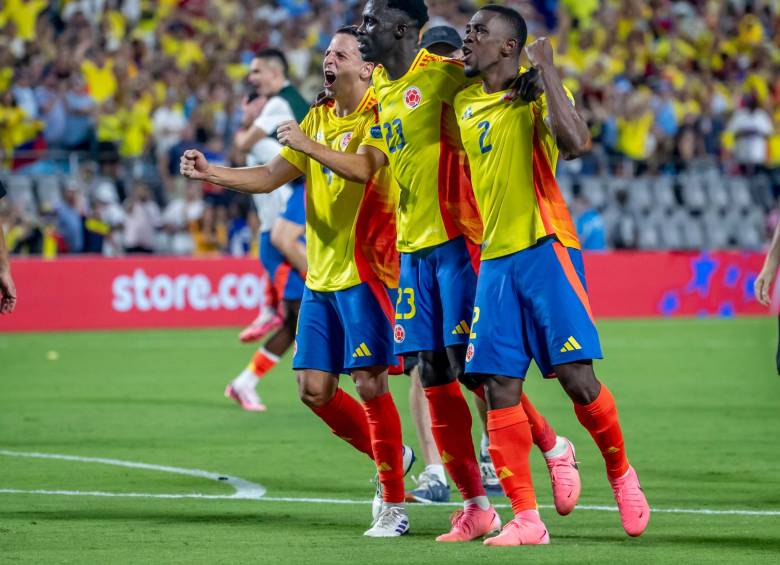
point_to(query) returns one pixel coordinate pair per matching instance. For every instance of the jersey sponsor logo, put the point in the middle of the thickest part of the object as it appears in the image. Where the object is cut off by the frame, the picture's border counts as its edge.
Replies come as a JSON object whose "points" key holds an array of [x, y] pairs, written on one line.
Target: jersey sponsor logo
{"points": [[345, 140], [412, 97], [399, 334], [470, 352], [570, 345], [376, 132]]}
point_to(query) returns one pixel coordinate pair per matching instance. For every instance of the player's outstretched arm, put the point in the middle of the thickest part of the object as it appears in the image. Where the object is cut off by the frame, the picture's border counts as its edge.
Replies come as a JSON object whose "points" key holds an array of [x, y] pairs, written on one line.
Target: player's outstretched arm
{"points": [[568, 128], [7, 288], [250, 180], [764, 280], [356, 167]]}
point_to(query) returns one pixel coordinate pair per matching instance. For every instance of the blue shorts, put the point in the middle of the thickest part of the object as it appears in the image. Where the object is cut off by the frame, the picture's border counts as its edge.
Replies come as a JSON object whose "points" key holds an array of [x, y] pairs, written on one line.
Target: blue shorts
{"points": [[532, 304], [345, 329], [295, 211], [435, 298], [287, 282]]}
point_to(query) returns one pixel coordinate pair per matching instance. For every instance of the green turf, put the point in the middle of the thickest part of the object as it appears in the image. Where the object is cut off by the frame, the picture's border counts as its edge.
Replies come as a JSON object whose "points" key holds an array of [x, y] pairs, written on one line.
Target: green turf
{"points": [[698, 399]]}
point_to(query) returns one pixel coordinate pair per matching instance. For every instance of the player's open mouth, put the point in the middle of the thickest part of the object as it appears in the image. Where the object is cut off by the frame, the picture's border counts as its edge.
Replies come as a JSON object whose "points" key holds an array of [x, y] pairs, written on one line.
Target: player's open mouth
{"points": [[466, 53], [330, 78]]}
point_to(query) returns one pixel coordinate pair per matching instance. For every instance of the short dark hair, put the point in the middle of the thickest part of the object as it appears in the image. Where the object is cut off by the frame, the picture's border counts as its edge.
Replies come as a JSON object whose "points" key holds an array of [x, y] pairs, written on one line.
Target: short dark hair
{"points": [[415, 9], [513, 18], [274, 55], [348, 30]]}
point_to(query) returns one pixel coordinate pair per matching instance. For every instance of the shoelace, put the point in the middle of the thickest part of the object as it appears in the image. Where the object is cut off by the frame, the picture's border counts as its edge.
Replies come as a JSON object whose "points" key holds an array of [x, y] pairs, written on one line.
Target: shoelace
{"points": [[553, 465], [458, 519], [630, 495], [388, 517]]}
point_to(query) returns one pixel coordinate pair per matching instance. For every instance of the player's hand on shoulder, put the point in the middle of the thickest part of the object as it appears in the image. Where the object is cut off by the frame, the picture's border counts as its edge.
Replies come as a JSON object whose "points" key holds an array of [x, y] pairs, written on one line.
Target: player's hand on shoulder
{"points": [[527, 87], [193, 164], [291, 135], [540, 52]]}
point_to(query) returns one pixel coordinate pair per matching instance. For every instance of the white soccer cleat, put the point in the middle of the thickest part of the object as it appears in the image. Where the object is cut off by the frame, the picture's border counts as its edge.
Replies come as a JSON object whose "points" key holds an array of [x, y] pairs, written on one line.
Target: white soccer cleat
{"points": [[408, 460], [391, 522], [247, 398]]}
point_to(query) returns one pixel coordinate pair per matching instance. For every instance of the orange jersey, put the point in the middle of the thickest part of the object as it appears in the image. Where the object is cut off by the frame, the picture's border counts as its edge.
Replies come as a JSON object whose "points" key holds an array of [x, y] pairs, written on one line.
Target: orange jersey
{"points": [[350, 227], [422, 144]]}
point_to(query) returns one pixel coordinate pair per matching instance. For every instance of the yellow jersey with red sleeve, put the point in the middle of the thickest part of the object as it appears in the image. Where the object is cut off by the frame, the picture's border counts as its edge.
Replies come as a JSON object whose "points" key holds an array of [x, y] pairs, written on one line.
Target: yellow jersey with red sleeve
{"points": [[350, 227], [512, 154], [423, 147]]}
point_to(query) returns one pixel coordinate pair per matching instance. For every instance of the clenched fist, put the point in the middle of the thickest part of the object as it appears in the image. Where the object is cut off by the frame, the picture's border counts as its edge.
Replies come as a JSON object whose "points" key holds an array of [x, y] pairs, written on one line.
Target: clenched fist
{"points": [[193, 164], [540, 52], [291, 135]]}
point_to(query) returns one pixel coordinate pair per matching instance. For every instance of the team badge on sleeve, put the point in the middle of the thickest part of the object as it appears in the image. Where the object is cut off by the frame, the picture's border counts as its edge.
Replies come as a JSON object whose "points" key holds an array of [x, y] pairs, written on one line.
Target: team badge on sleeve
{"points": [[376, 132], [412, 97]]}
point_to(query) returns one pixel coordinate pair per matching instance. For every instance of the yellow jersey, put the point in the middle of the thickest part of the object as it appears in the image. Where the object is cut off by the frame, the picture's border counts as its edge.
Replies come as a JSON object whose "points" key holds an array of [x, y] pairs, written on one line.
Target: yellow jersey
{"points": [[423, 147], [512, 154], [350, 227]]}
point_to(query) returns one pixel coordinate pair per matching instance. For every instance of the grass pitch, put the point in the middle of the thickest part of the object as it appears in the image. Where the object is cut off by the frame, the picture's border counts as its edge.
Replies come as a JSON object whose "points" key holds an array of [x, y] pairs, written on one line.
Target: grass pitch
{"points": [[699, 401]]}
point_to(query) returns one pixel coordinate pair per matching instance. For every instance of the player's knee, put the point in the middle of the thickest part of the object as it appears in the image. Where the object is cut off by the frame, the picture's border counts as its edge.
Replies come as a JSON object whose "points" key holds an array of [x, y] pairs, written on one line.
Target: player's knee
{"points": [[579, 381], [314, 393], [370, 385], [501, 392], [434, 369]]}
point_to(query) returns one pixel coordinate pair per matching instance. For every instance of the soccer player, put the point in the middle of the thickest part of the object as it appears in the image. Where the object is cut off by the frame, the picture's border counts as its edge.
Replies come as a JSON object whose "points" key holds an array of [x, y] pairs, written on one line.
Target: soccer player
{"points": [[436, 214], [531, 301], [765, 278], [345, 322], [7, 287], [282, 221]]}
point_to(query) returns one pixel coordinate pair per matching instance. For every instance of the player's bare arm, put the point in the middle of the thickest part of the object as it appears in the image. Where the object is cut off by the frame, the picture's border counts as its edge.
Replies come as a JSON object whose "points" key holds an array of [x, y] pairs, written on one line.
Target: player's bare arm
{"points": [[249, 180], [356, 167], [569, 129], [7, 287], [764, 280]]}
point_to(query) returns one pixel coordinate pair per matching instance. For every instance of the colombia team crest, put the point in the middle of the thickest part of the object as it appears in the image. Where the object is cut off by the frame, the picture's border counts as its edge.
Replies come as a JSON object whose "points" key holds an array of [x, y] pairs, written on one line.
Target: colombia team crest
{"points": [[345, 140], [412, 97], [399, 334], [470, 352]]}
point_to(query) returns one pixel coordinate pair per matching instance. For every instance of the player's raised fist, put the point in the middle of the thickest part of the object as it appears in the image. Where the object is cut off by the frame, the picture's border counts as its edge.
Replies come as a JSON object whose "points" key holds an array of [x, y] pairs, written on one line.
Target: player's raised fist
{"points": [[291, 135], [761, 286], [193, 164], [540, 52]]}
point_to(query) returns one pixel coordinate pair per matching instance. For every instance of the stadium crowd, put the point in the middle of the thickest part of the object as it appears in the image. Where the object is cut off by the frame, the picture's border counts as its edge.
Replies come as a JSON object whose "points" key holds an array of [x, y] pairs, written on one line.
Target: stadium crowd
{"points": [[104, 95]]}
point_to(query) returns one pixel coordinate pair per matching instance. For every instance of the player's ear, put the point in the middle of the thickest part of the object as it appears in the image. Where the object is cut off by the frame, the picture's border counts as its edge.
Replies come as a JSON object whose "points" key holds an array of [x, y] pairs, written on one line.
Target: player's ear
{"points": [[509, 47], [400, 30], [366, 69]]}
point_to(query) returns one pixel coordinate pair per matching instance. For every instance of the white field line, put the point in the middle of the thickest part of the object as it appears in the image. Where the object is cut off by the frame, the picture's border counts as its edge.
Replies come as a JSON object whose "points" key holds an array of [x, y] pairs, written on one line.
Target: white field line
{"points": [[246, 490]]}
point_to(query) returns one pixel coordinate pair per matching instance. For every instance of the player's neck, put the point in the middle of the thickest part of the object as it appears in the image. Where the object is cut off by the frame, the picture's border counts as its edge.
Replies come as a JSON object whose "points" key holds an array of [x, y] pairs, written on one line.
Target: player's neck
{"points": [[499, 77], [398, 61], [347, 102]]}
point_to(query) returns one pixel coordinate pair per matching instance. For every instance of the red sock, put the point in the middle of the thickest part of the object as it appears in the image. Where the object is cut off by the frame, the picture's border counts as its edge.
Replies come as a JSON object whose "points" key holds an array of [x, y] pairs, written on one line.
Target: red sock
{"points": [[384, 424], [510, 445], [262, 362], [451, 427], [542, 432], [346, 418], [600, 418]]}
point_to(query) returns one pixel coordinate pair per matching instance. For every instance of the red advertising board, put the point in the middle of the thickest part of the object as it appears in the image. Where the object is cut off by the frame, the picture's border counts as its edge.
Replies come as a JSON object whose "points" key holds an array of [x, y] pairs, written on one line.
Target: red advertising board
{"points": [[161, 292]]}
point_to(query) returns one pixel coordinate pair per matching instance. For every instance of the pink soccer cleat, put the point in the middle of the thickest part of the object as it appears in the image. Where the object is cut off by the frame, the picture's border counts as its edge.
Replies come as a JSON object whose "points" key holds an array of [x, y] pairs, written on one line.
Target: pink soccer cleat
{"points": [[472, 523], [632, 504], [527, 528], [268, 320], [247, 399], [565, 477]]}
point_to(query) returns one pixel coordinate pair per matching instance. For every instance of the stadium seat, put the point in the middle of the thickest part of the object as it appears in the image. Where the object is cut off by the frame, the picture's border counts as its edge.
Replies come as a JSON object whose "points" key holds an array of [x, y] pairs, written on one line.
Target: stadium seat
{"points": [[639, 196], [717, 194], [648, 236], [739, 190], [693, 234], [663, 192], [593, 189], [693, 194], [49, 190], [20, 191]]}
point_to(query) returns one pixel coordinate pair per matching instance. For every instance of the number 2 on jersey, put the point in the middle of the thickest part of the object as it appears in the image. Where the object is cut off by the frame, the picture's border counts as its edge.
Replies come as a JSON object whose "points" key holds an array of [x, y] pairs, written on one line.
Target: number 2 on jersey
{"points": [[485, 127], [396, 127]]}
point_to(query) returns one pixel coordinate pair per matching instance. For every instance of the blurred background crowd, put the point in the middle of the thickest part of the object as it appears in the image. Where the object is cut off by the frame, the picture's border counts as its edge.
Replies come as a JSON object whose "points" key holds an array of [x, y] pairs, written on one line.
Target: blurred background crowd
{"points": [[98, 99]]}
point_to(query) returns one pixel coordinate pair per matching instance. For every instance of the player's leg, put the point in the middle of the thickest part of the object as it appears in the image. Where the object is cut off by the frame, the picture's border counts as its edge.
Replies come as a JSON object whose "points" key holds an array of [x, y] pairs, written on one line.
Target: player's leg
{"points": [[366, 313], [268, 318], [431, 484], [571, 342], [497, 347]]}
